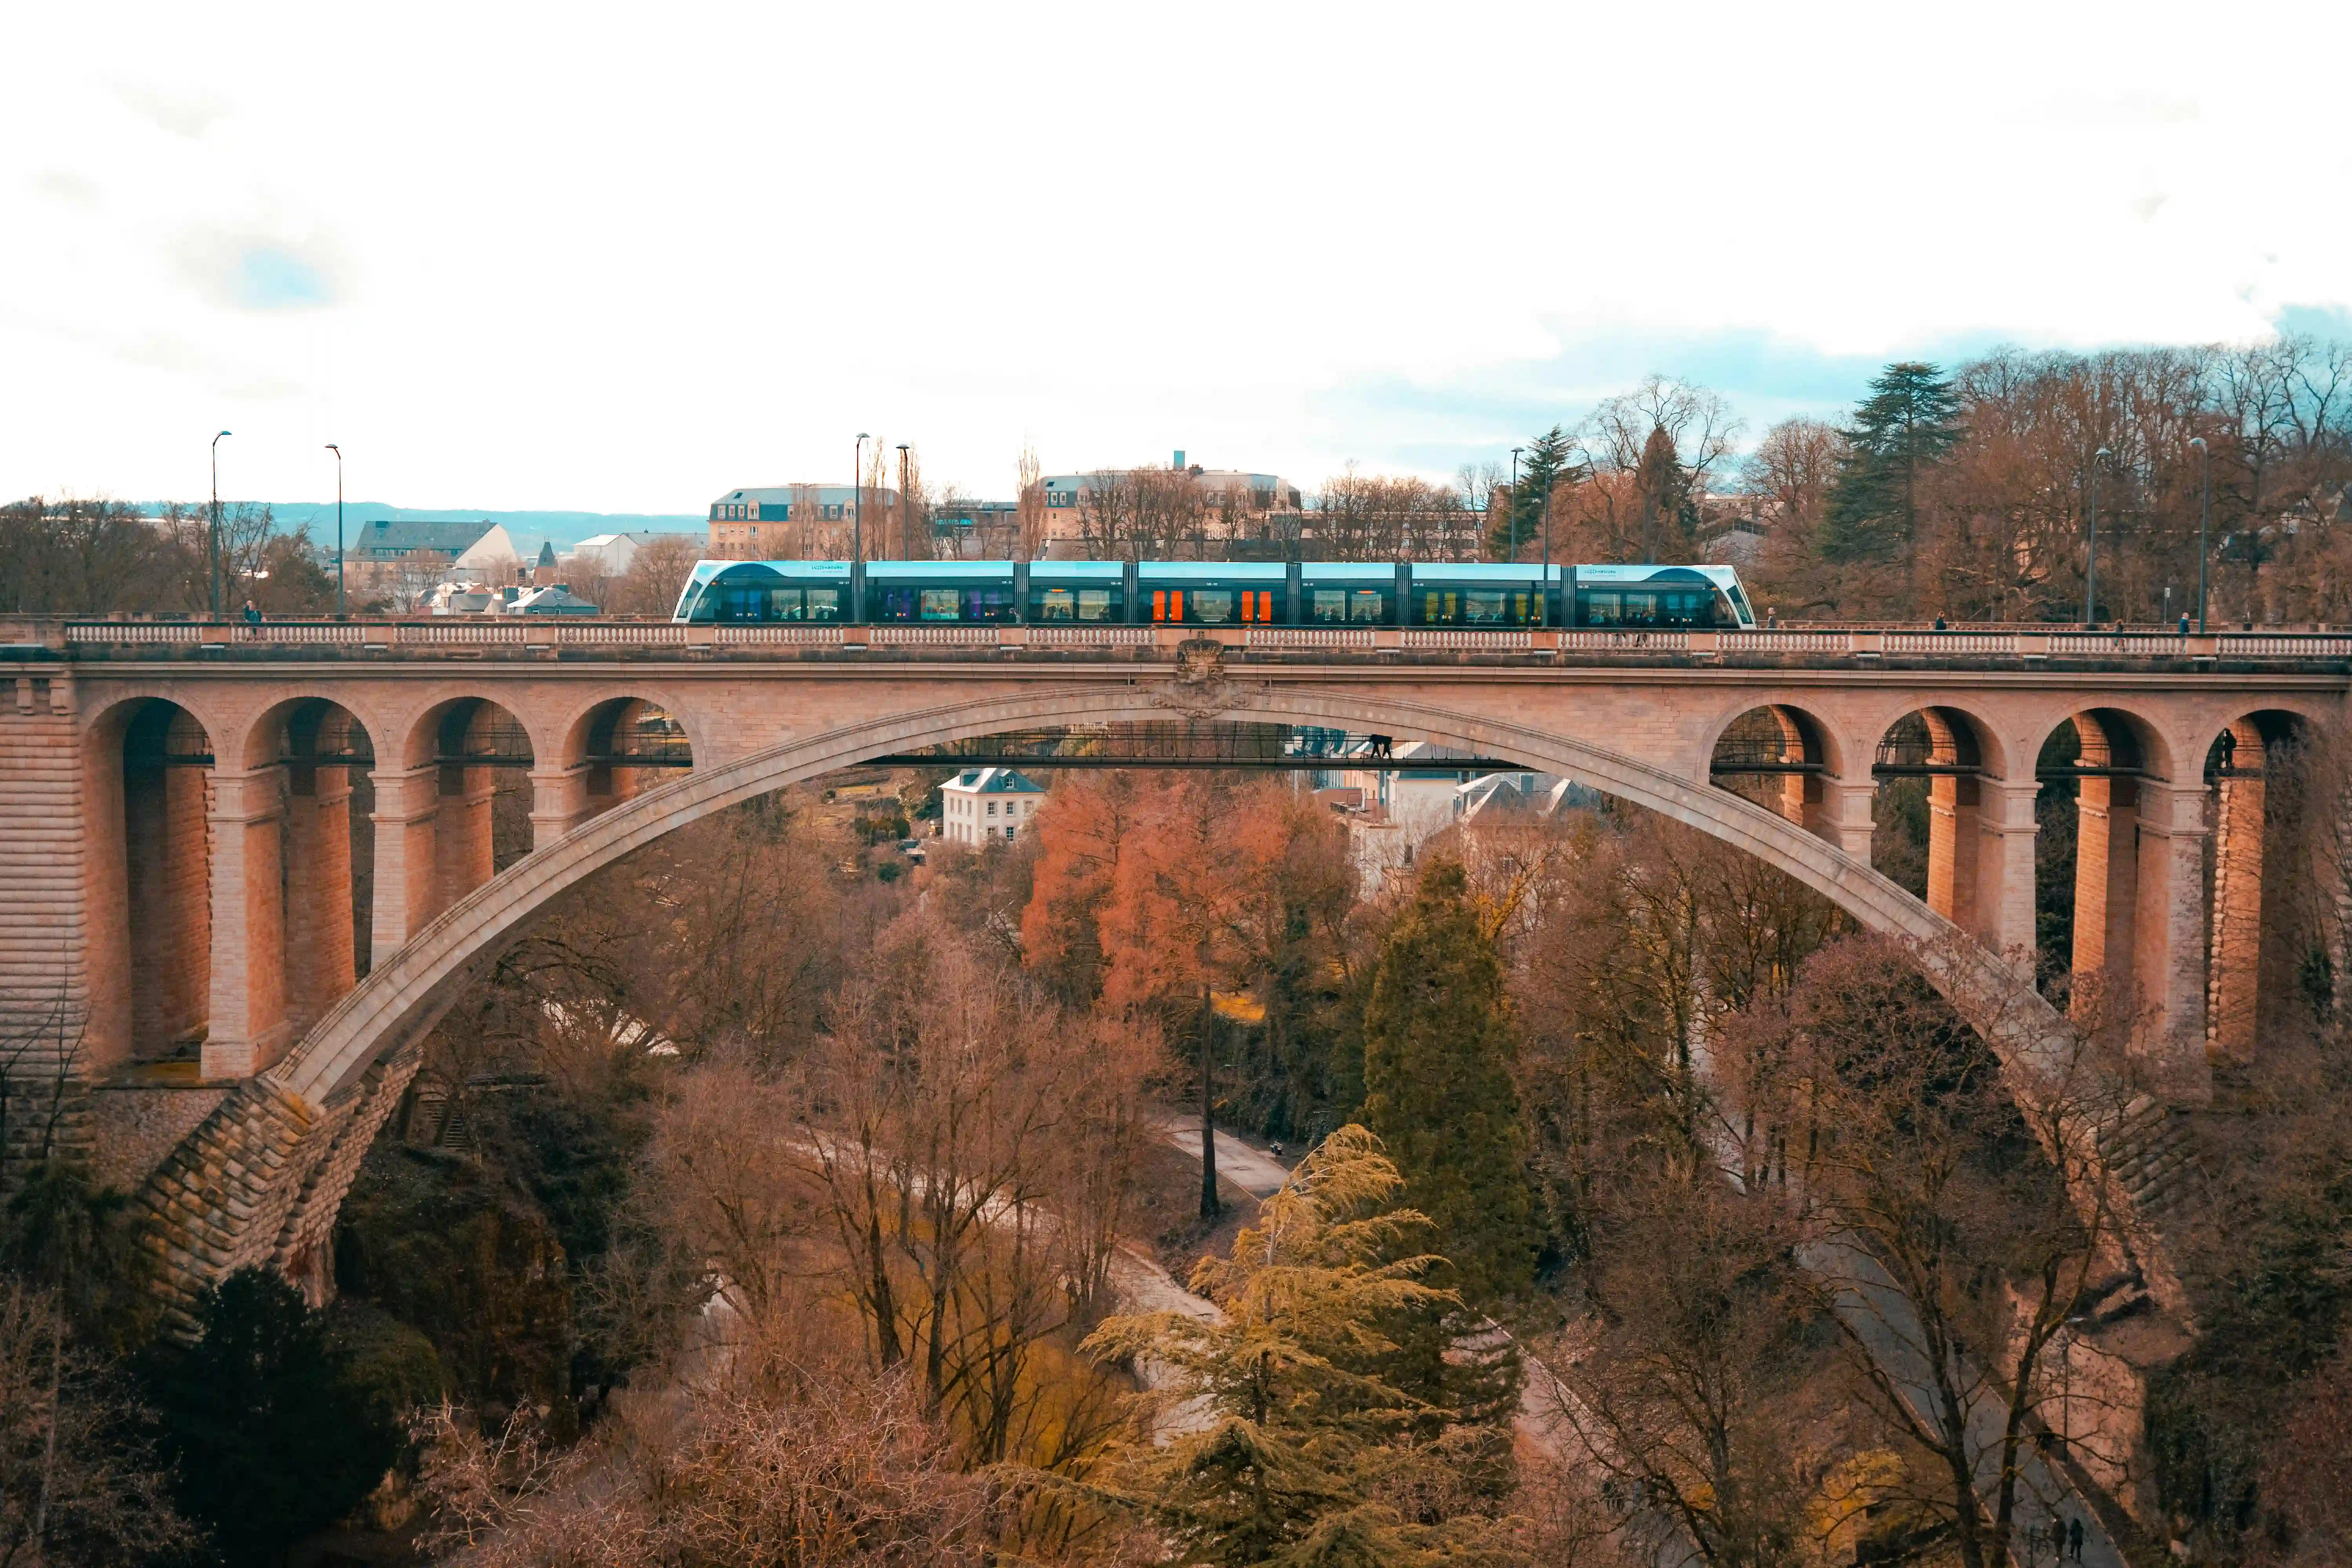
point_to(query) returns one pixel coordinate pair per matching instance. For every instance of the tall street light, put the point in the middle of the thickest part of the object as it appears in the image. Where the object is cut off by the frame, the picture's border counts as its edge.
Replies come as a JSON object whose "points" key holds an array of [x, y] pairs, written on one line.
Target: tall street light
{"points": [[338, 451], [2091, 576], [2204, 522], [212, 545], [857, 501], [1515, 501]]}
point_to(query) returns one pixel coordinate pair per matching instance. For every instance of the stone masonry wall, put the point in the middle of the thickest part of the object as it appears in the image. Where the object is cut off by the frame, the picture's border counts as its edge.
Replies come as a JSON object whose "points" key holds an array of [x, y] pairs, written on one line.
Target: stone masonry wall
{"points": [[135, 1127], [44, 974]]}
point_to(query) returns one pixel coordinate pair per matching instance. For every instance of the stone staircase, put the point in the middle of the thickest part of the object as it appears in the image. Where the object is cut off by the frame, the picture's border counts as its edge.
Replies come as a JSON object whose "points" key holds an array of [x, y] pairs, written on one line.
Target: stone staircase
{"points": [[2149, 1153]]}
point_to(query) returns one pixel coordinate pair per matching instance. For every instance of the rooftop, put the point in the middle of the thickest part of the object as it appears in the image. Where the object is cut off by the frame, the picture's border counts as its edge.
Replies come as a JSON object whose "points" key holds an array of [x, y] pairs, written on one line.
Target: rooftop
{"points": [[993, 780]]}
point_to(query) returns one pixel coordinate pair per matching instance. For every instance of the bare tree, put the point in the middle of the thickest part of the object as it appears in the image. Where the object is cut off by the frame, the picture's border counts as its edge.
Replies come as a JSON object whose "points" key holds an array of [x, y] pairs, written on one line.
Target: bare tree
{"points": [[1955, 1255], [976, 1152], [80, 1478]]}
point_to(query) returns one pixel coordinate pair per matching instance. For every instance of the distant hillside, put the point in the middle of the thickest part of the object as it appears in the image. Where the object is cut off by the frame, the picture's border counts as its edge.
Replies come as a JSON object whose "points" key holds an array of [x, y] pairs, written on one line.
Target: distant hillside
{"points": [[526, 529]]}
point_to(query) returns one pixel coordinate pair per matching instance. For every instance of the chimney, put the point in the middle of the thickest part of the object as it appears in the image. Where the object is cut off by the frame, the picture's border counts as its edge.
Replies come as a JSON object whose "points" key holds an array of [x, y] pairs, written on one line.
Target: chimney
{"points": [[1178, 464]]}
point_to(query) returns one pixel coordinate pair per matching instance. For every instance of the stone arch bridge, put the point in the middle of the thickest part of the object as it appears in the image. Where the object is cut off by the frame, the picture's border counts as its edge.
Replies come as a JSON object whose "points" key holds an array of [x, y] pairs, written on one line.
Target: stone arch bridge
{"points": [[180, 959]]}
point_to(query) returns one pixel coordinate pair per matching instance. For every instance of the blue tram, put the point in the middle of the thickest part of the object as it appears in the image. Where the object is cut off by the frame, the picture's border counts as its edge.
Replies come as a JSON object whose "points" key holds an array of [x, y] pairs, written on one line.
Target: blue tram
{"points": [[1494, 595]]}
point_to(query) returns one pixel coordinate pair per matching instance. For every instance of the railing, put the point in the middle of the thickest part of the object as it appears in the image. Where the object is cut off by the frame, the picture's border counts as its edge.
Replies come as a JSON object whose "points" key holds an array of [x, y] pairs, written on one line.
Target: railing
{"points": [[1469, 639], [920, 636], [442, 634], [2097, 644], [1595, 639], [586, 633], [1947, 642], [1089, 636], [1310, 637], [776, 636], [2275, 645], [542, 632], [1784, 642], [133, 632]]}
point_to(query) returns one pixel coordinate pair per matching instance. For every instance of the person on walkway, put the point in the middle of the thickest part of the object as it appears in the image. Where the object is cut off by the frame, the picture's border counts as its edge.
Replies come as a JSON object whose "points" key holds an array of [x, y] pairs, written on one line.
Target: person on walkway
{"points": [[252, 615], [1941, 625], [2075, 1539]]}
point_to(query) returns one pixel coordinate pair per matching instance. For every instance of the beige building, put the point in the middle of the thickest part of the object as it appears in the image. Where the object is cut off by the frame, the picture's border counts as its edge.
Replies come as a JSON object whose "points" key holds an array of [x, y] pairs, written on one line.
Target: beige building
{"points": [[802, 522], [983, 805], [1177, 503]]}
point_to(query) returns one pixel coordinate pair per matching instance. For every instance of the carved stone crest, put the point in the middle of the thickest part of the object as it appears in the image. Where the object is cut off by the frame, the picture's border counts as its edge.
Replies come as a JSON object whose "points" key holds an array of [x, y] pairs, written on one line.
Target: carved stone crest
{"points": [[1198, 687]]}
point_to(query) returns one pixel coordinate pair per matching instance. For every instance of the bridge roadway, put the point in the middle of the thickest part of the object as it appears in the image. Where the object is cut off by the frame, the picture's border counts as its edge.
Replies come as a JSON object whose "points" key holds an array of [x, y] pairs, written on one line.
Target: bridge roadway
{"points": [[176, 873]]}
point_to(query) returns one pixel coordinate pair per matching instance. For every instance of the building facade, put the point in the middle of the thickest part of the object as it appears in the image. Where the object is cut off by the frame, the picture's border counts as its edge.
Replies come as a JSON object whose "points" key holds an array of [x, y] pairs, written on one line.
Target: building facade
{"points": [[782, 522], [984, 805]]}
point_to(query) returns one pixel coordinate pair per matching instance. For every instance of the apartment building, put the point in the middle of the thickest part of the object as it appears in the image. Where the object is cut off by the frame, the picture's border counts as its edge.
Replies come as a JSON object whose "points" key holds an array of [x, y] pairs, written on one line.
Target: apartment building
{"points": [[776, 522]]}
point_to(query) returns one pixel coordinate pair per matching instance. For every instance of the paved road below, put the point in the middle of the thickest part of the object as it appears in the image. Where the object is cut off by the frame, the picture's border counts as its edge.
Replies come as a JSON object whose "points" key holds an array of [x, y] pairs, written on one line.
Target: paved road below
{"points": [[1252, 1170]]}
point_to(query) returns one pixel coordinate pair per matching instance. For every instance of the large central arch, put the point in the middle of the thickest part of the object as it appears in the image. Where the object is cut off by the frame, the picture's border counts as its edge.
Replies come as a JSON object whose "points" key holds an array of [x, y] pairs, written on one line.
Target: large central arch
{"points": [[409, 991]]}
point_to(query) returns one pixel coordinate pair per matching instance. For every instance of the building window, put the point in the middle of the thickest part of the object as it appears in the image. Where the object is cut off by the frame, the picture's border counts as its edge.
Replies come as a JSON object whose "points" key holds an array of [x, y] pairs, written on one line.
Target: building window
{"points": [[992, 808]]}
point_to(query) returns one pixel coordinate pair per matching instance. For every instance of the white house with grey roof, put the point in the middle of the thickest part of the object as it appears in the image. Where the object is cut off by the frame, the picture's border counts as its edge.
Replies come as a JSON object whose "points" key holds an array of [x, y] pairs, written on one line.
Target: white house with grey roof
{"points": [[984, 805]]}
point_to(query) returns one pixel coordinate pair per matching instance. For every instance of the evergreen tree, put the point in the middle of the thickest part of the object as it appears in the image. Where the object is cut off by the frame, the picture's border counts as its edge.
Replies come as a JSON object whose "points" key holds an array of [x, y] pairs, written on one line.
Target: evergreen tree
{"points": [[1438, 1048], [1316, 1408], [1911, 418], [1542, 466], [1669, 521], [273, 1436]]}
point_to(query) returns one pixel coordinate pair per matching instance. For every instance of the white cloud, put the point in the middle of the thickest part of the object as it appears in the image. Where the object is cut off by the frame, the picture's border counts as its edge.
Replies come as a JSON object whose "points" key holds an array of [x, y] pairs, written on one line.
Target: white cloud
{"points": [[618, 260]]}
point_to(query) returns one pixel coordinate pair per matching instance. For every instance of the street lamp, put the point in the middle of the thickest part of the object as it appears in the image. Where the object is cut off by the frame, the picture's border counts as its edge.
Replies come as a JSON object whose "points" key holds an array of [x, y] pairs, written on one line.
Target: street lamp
{"points": [[2204, 522], [338, 451], [211, 547], [857, 501], [1515, 500], [2091, 574]]}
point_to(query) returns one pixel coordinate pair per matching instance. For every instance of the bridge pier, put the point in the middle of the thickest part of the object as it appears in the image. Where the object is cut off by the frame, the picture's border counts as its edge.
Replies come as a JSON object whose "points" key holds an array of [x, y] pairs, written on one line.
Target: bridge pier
{"points": [[1846, 818], [2168, 934], [558, 803], [159, 824], [321, 963], [2107, 896], [249, 1022], [461, 832], [407, 800], [2239, 809], [2004, 901], [1955, 842]]}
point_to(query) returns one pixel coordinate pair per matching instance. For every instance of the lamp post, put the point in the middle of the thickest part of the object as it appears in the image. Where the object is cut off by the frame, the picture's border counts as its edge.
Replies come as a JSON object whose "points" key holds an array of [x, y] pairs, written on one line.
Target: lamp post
{"points": [[858, 502], [338, 451], [212, 545], [2091, 576], [2204, 522], [1515, 501]]}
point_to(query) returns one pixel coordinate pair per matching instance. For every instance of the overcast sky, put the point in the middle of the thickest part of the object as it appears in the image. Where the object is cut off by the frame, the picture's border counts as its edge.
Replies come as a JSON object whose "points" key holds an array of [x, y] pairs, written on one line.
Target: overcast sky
{"points": [[622, 259]]}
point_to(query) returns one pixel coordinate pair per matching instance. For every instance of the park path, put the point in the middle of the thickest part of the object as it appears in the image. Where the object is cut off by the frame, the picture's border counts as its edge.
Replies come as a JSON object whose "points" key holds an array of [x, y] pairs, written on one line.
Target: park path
{"points": [[1253, 1170], [1881, 1318]]}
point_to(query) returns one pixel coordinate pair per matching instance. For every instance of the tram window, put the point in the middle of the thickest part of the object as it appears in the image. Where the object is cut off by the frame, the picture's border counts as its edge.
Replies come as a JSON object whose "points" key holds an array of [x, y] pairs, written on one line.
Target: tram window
{"points": [[988, 604], [1213, 606], [1331, 604], [1484, 606], [942, 604], [784, 603], [1094, 604], [1057, 605], [1368, 605], [822, 604]]}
